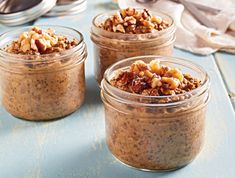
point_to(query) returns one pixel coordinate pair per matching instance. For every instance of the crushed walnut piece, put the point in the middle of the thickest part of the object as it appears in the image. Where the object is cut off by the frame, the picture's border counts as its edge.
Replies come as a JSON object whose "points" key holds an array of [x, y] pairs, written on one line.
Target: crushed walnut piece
{"points": [[134, 21], [38, 41], [154, 79]]}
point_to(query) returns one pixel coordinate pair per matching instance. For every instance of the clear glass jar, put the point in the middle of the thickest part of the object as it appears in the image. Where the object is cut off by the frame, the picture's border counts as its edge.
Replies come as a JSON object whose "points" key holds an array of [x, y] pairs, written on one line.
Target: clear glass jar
{"points": [[110, 47], [158, 133], [42, 87]]}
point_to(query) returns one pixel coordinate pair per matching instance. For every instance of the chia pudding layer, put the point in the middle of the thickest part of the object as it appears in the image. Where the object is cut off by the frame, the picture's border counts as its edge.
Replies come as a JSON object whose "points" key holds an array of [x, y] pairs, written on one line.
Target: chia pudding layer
{"points": [[42, 74], [157, 127]]}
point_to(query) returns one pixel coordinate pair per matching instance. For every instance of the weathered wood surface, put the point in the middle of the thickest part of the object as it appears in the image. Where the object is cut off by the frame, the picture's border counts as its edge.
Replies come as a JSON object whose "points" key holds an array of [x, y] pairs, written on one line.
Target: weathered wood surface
{"points": [[226, 64]]}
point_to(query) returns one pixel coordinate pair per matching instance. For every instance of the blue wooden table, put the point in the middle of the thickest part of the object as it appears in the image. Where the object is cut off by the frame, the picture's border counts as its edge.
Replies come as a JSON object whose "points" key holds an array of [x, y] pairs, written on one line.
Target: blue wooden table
{"points": [[74, 147]]}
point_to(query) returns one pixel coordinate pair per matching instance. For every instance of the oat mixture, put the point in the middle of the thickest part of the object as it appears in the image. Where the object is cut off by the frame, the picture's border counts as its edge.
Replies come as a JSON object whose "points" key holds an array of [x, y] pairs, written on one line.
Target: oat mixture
{"points": [[154, 79], [154, 137], [50, 88]]}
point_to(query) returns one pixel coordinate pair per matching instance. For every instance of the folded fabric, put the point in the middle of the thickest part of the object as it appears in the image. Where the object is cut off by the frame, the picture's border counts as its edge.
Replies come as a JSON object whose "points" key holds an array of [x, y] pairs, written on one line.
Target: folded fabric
{"points": [[191, 35]]}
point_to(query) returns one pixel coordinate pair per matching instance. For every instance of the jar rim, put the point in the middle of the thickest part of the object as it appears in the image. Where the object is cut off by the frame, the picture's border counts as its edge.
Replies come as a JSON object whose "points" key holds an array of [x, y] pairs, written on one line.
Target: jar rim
{"points": [[170, 28], [199, 90], [15, 57]]}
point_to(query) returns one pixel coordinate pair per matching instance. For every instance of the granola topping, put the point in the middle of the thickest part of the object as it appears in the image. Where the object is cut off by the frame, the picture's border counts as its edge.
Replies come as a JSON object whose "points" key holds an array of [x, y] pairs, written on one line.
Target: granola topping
{"points": [[134, 21], [154, 79], [38, 41]]}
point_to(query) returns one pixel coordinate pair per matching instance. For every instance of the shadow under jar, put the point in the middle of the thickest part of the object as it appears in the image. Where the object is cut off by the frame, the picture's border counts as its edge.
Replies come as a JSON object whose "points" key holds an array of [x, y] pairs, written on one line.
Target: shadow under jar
{"points": [[43, 87], [110, 47], [155, 133]]}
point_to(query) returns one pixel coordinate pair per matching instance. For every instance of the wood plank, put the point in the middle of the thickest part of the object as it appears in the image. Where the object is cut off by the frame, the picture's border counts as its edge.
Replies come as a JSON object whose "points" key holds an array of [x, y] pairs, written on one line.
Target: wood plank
{"points": [[233, 103], [226, 64]]}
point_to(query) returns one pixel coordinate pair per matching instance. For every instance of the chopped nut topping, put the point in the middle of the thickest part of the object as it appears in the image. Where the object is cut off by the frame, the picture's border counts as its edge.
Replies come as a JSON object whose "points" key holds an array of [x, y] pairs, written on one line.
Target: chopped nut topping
{"points": [[38, 41], [154, 79], [134, 21]]}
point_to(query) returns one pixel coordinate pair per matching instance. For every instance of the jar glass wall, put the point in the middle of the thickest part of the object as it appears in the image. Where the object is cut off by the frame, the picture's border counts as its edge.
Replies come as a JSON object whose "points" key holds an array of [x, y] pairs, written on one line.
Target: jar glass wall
{"points": [[157, 133], [43, 87], [110, 47]]}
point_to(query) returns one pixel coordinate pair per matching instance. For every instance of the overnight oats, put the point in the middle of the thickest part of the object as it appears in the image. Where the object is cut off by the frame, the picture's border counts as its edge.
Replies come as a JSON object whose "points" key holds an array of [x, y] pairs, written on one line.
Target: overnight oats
{"points": [[42, 72], [130, 32], [155, 110]]}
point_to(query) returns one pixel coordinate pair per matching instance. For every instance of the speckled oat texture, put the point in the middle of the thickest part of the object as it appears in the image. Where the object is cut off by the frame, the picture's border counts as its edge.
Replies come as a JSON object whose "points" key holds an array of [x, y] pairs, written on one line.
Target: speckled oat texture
{"points": [[45, 95], [152, 140]]}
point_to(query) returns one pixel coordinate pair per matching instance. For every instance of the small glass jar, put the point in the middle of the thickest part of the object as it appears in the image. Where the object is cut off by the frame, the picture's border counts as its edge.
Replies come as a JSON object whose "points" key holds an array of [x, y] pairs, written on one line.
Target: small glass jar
{"points": [[42, 87], [110, 47], [157, 133]]}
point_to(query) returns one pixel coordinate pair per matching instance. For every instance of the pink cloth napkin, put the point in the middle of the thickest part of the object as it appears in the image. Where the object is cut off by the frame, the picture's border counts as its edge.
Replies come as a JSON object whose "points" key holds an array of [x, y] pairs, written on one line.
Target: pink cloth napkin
{"points": [[190, 34]]}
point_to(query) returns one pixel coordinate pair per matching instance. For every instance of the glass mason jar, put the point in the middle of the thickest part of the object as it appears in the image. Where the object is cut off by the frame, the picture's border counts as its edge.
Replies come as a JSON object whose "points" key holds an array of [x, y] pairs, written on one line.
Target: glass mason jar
{"points": [[110, 47], [158, 133], [42, 87]]}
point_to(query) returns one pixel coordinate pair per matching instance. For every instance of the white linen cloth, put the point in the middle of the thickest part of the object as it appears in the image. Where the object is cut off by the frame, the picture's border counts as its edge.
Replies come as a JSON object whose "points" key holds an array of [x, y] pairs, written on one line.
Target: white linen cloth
{"points": [[190, 34]]}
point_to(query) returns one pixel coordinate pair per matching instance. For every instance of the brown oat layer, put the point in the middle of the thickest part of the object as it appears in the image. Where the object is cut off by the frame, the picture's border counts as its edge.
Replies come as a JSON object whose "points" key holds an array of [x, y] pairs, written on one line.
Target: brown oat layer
{"points": [[154, 79], [134, 21], [38, 41]]}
